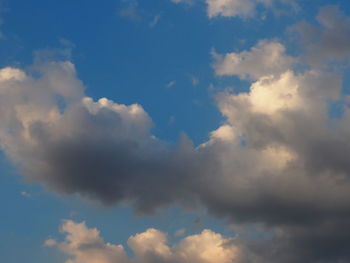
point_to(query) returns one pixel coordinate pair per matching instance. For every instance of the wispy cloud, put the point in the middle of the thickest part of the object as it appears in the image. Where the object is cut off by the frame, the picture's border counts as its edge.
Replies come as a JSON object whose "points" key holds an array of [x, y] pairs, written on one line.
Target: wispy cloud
{"points": [[170, 84], [194, 80], [155, 21], [26, 194], [131, 10]]}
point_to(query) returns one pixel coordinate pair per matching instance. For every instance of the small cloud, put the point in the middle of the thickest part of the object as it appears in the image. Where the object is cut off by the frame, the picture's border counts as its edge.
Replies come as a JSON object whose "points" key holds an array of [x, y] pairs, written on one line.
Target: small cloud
{"points": [[170, 84], [25, 194], [187, 2], [50, 243], [154, 21], [194, 80], [66, 43], [180, 232], [131, 11]]}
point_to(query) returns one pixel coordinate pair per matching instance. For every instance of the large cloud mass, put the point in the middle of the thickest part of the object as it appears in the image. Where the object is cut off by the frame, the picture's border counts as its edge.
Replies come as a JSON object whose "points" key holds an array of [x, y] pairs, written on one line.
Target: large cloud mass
{"points": [[99, 149], [279, 160]]}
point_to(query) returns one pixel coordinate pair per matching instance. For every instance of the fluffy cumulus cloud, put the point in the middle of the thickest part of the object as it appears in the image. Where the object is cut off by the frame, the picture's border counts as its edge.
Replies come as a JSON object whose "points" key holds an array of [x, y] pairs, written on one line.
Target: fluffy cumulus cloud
{"points": [[279, 161], [284, 165], [266, 58], [73, 144], [85, 245]]}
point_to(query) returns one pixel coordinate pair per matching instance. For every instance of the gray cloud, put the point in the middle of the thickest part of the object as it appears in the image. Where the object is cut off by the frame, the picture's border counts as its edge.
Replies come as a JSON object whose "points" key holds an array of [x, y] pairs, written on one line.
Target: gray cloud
{"points": [[276, 161], [279, 160], [327, 41], [101, 150]]}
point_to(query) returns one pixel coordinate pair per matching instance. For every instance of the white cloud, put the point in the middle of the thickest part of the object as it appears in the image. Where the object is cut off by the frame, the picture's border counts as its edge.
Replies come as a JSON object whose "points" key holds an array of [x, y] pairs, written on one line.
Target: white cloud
{"points": [[243, 8], [266, 58], [9, 73], [231, 7], [194, 80], [85, 245], [170, 84], [26, 194], [207, 247], [155, 20], [151, 246], [240, 8], [50, 243], [131, 11]]}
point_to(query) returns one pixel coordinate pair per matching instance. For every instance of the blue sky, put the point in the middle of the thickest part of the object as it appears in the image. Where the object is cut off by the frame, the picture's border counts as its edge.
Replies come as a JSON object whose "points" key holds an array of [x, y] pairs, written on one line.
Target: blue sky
{"points": [[193, 154]]}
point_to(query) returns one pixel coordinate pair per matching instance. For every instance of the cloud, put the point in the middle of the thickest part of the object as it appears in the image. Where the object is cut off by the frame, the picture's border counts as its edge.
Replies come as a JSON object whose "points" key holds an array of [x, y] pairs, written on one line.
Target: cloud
{"points": [[170, 84], [194, 80], [242, 8], [327, 41], [131, 11], [266, 58], [26, 194], [188, 2], [275, 161], [154, 21], [72, 144], [279, 159], [50, 243], [282, 163], [85, 245], [231, 7]]}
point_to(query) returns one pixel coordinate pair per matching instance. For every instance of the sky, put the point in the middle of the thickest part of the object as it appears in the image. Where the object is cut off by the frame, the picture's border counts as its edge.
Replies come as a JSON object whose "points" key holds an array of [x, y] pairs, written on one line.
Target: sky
{"points": [[174, 131]]}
